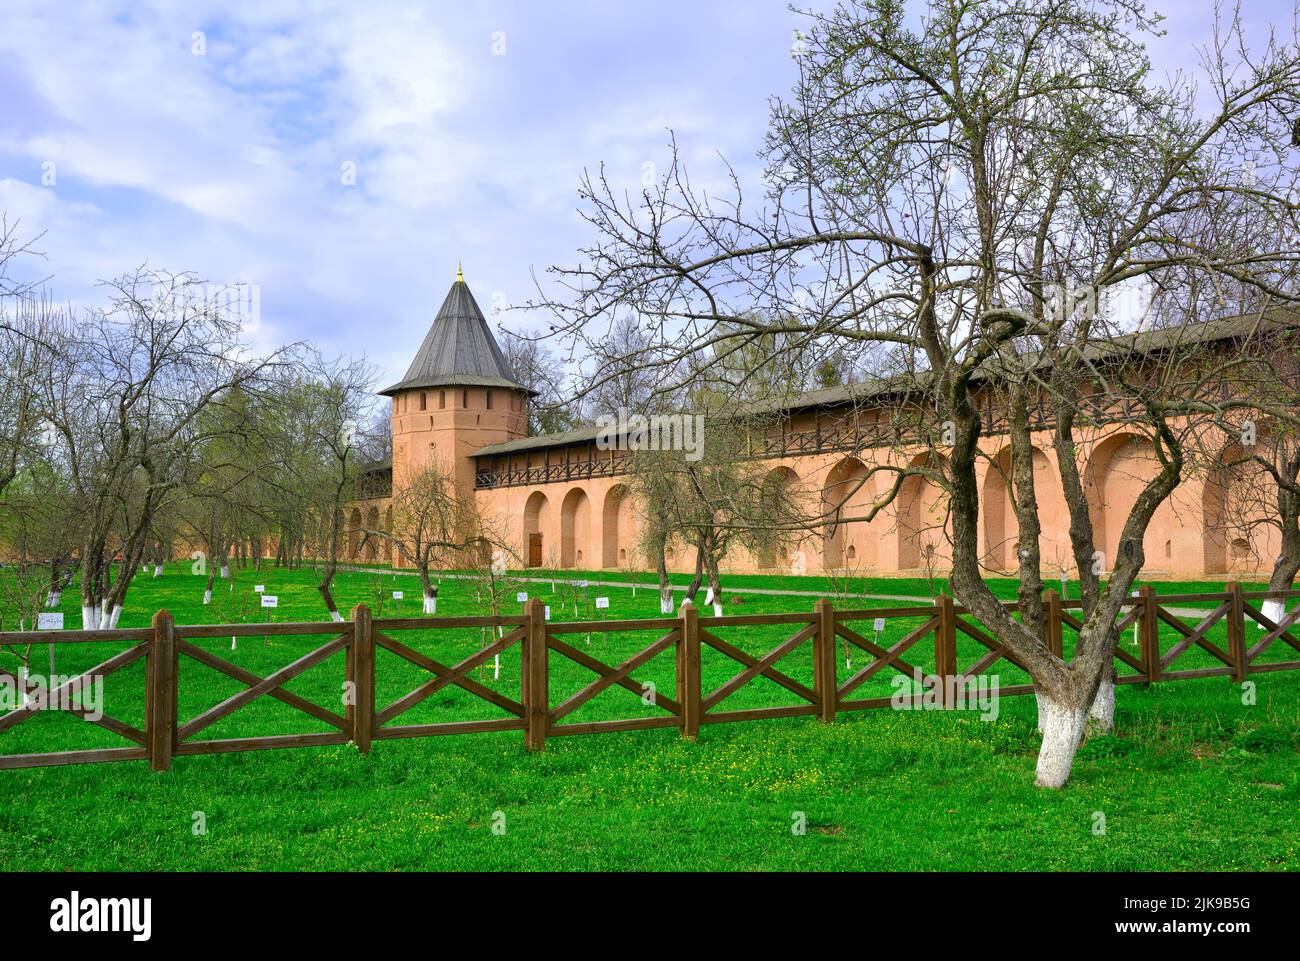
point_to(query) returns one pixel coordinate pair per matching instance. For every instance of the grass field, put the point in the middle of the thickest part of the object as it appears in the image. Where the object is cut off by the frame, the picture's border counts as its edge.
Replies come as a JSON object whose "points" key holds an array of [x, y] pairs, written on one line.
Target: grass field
{"points": [[1195, 779]]}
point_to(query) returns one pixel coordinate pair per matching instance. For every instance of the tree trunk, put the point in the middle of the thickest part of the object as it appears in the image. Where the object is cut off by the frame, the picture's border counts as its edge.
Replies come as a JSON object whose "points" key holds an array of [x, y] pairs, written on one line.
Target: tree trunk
{"points": [[1101, 715], [1285, 567], [55, 594], [324, 587], [1061, 719], [665, 586], [693, 588], [715, 584], [430, 592]]}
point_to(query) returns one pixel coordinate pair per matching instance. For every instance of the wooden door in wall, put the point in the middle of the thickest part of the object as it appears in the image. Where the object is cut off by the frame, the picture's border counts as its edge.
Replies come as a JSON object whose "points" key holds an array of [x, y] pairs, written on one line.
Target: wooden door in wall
{"points": [[535, 550]]}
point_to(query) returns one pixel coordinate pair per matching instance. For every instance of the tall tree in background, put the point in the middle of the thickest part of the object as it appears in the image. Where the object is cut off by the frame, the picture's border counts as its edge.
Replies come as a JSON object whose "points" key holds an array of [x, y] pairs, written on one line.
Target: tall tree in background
{"points": [[537, 369]]}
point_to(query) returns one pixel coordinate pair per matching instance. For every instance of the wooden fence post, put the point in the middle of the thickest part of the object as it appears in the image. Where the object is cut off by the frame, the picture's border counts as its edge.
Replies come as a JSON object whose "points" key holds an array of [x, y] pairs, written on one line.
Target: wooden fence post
{"points": [[824, 661], [945, 649], [160, 693], [537, 686], [1237, 632], [362, 676], [689, 681], [1149, 633], [1052, 622]]}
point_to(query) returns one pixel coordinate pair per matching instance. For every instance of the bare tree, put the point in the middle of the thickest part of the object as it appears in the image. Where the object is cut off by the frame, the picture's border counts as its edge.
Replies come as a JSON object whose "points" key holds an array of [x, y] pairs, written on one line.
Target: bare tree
{"points": [[713, 499], [965, 196], [30, 330], [124, 396], [335, 401], [436, 525]]}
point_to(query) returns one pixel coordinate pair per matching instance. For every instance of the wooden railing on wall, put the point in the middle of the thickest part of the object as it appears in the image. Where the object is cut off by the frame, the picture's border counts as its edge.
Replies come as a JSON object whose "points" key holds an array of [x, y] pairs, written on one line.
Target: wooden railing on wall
{"points": [[166, 735]]}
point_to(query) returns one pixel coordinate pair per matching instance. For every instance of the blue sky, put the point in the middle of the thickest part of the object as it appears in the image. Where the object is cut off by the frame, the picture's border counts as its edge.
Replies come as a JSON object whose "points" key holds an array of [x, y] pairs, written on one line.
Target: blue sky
{"points": [[230, 162]]}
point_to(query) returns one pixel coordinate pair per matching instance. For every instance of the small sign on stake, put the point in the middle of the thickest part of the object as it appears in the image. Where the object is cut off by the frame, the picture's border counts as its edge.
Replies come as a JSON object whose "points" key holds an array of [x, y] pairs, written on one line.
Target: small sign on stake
{"points": [[522, 597], [602, 603], [259, 588], [269, 601], [50, 622]]}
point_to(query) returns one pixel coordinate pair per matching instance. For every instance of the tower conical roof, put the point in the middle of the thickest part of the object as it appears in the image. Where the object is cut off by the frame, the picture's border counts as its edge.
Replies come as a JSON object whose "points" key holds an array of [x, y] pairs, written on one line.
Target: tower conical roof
{"points": [[459, 349]]}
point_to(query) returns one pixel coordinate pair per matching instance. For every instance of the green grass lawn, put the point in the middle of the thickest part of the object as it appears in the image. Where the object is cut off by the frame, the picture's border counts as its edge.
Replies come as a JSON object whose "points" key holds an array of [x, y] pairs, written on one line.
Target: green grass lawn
{"points": [[1195, 779]]}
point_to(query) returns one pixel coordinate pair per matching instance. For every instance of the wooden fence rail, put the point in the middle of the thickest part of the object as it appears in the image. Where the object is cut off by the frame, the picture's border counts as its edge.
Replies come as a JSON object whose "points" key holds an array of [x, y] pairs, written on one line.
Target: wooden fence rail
{"points": [[166, 735]]}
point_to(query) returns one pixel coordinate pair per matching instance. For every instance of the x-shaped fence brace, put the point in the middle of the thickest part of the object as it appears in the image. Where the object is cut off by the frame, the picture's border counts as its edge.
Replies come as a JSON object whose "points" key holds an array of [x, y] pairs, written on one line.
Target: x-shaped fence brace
{"points": [[456, 674], [610, 676], [996, 651], [1194, 635], [891, 657], [272, 684], [1274, 629], [110, 666], [756, 667]]}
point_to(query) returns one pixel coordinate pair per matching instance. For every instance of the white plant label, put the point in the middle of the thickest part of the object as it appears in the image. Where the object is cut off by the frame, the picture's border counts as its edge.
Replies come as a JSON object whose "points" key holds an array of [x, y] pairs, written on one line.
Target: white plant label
{"points": [[522, 597], [399, 595], [270, 600], [548, 612], [602, 602], [49, 622], [259, 588], [878, 624]]}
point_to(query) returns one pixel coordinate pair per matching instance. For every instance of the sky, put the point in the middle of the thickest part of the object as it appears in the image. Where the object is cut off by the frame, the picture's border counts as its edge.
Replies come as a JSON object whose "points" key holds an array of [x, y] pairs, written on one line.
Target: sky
{"points": [[341, 158]]}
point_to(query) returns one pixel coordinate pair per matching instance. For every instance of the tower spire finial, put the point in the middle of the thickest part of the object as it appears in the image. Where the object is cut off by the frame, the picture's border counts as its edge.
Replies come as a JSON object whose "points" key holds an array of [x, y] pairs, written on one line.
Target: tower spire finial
{"points": [[460, 274]]}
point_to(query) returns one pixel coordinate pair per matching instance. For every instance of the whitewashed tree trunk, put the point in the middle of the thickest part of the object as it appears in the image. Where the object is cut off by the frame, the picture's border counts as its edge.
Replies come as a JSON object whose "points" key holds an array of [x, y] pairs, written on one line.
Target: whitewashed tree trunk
{"points": [[89, 617], [53, 599], [430, 604], [1063, 727], [207, 597], [114, 616], [1274, 610], [1101, 716], [717, 609], [336, 616], [708, 596], [666, 604], [157, 570]]}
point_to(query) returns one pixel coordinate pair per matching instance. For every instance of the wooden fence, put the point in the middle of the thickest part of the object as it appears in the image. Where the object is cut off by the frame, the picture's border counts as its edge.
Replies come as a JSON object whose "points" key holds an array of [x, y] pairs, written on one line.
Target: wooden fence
{"points": [[165, 735]]}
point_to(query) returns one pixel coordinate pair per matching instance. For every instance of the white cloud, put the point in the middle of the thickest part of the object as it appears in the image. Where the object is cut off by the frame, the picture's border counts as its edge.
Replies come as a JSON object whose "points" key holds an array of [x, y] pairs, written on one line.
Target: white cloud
{"points": [[228, 164]]}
